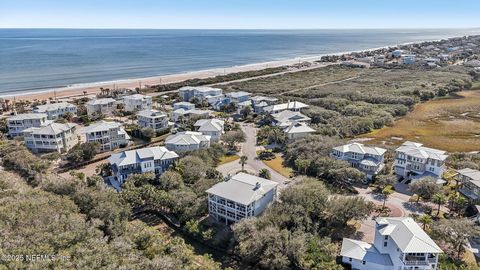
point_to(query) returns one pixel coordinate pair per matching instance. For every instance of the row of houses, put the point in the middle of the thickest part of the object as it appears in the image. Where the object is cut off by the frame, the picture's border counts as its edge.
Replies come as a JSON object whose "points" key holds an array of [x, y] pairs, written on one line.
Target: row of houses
{"points": [[106, 106], [412, 160]]}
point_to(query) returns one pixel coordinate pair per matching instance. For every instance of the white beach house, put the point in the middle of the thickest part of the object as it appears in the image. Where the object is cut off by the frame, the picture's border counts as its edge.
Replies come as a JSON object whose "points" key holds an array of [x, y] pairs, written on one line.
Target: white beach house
{"points": [[187, 141], [151, 159], [470, 183], [260, 102], [286, 118], [399, 244], [294, 106], [414, 161], [210, 127], [56, 110], [183, 111], [157, 120], [297, 130], [110, 135], [103, 106], [187, 93], [137, 102], [240, 196], [54, 137], [369, 160], [16, 124]]}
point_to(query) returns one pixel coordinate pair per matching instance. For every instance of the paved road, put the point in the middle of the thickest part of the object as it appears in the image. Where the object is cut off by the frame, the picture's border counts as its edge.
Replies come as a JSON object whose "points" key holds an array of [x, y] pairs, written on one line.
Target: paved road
{"points": [[249, 149]]}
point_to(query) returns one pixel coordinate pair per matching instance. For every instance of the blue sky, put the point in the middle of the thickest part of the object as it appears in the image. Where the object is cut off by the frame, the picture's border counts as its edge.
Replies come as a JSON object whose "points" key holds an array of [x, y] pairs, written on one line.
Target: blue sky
{"points": [[237, 14]]}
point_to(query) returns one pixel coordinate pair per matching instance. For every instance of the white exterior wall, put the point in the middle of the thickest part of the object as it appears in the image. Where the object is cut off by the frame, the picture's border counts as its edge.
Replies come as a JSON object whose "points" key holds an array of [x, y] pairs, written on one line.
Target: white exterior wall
{"points": [[108, 139], [137, 104], [105, 109], [61, 142], [158, 123], [357, 264], [16, 127], [215, 135], [57, 113]]}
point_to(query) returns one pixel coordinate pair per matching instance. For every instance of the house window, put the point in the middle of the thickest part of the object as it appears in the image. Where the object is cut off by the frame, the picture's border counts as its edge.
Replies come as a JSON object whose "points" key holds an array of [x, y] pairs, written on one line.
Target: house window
{"points": [[349, 259], [386, 237], [385, 244], [363, 262]]}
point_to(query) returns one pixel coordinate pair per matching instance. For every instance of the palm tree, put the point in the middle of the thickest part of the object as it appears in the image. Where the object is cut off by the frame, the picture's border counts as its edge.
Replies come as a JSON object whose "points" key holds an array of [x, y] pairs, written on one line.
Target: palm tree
{"points": [[439, 199], [425, 220], [386, 192], [243, 161]]}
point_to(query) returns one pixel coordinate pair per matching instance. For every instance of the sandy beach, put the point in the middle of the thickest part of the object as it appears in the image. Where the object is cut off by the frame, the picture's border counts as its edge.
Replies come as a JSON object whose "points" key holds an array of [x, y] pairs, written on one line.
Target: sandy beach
{"points": [[94, 88]]}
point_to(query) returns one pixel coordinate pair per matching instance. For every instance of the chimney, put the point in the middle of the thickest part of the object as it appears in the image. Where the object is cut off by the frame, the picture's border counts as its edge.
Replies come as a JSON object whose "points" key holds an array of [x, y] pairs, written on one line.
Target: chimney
{"points": [[257, 185]]}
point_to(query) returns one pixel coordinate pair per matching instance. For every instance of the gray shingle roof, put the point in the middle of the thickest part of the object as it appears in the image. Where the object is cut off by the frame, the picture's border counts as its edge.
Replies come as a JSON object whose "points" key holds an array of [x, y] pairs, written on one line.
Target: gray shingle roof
{"points": [[210, 125], [363, 251], [100, 101], [187, 138], [50, 129], [136, 156], [241, 188], [361, 149], [26, 116], [418, 150]]}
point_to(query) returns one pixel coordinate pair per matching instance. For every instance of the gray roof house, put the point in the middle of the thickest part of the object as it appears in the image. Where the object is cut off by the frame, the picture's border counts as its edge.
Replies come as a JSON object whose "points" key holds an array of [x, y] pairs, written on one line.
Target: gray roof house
{"points": [[187, 141], [369, 160], [470, 181], [210, 127], [240, 196], [151, 159], [399, 243]]}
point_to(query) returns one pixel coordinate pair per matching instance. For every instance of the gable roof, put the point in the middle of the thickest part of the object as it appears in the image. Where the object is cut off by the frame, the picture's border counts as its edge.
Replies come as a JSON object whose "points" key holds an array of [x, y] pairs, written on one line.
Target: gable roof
{"points": [[407, 235], [363, 251], [53, 107], [187, 138], [50, 129], [286, 106], [242, 188], [298, 127], [137, 156], [290, 116], [100, 101], [137, 97], [418, 150], [474, 175], [151, 113], [361, 149], [26, 116], [101, 126], [210, 125]]}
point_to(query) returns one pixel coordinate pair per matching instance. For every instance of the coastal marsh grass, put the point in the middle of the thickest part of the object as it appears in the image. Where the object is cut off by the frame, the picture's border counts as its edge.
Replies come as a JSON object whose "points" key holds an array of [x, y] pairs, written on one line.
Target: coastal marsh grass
{"points": [[451, 124]]}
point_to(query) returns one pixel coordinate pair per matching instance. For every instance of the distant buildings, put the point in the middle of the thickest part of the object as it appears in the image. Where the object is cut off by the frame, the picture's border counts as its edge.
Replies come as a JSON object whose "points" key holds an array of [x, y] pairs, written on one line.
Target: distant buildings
{"points": [[379, 60], [414, 161], [407, 59], [152, 159], [101, 106], [297, 130], [294, 106], [260, 102], [56, 110], [183, 111], [137, 102], [110, 135], [200, 92], [238, 97], [399, 244], [154, 119], [470, 183], [16, 124], [187, 141], [210, 127], [53, 137], [366, 159], [240, 196]]}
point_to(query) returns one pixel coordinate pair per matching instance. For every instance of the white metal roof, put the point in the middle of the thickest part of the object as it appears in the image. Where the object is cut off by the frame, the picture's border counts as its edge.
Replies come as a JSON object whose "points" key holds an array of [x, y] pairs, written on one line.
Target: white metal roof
{"points": [[210, 125], [50, 129], [187, 138], [297, 127], [53, 107], [418, 150], [363, 251], [139, 155], [474, 175], [101, 126], [289, 116], [151, 113], [242, 188], [27, 116], [101, 101], [361, 149], [286, 106], [137, 97], [407, 235]]}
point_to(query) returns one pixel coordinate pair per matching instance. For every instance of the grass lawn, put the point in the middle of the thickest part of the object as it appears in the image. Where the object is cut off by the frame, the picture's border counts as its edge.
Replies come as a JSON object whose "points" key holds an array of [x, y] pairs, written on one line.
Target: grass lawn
{"points": [[228, 159], [451, 124], [276, 164]]}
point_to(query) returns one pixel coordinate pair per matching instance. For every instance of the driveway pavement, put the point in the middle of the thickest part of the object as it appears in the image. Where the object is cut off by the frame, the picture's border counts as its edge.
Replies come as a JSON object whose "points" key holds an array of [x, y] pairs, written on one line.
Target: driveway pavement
{"points": [[249, 149]]}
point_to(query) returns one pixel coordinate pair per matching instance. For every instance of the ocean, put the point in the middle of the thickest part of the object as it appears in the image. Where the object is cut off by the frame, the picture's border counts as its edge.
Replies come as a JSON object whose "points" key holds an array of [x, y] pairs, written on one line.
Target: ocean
{"points": [[38, 59]]}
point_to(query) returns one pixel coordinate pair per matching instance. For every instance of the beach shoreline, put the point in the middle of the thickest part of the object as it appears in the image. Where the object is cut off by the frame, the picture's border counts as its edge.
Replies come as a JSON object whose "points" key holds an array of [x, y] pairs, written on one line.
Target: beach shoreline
{"points": [[82, 89]]}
